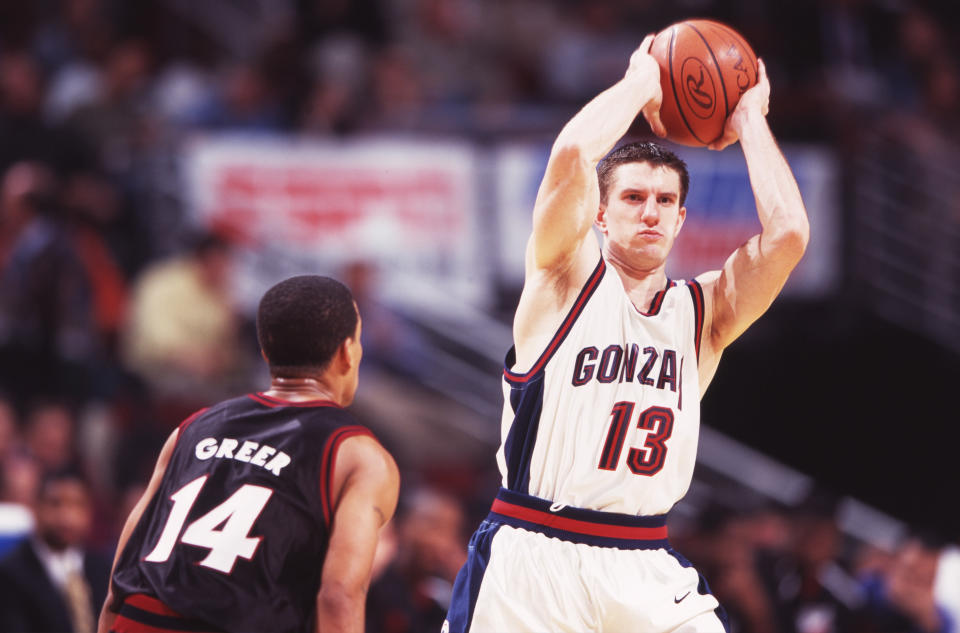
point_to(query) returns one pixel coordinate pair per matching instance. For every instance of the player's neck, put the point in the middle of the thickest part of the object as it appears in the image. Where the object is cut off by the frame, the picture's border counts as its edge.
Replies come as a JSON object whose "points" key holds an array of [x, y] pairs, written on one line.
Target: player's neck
{"points": [[640, 283], [302, 389]]}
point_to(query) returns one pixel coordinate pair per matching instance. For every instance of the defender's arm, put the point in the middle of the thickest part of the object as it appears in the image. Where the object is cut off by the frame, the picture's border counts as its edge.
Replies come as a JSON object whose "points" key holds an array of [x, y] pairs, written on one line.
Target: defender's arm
{"points": [[755, 273], [366, 483], [107, 615]]}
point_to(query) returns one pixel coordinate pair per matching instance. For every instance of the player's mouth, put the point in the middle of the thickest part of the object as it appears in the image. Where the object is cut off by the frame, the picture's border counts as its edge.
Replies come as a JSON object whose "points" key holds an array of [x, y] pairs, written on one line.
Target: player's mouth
{"points": [[650, 235]]}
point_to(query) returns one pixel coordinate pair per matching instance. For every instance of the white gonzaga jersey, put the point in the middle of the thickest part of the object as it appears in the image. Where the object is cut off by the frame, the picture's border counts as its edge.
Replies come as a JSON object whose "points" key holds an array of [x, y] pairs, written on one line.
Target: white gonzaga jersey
{"points": [[608, 417]]}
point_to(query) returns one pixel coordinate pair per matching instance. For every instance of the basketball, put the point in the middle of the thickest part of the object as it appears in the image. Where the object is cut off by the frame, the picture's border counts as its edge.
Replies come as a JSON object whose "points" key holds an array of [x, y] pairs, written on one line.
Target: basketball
{"points": [[705, 67]]}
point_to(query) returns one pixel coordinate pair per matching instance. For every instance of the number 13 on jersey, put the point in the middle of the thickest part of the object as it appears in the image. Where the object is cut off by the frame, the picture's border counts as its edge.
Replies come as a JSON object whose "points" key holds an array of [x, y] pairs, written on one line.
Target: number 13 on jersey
{"points": [[648, 460]]}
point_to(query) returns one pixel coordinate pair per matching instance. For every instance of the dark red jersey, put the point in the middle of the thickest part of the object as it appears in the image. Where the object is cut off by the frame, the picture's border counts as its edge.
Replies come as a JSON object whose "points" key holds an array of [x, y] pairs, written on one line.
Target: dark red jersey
{"points": [[236, 536]]}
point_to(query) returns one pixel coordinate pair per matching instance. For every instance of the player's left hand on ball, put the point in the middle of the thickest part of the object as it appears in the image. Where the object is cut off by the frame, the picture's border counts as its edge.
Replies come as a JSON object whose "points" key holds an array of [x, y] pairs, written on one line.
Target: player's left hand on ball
{"points": [[643, 65], [756, 99]]}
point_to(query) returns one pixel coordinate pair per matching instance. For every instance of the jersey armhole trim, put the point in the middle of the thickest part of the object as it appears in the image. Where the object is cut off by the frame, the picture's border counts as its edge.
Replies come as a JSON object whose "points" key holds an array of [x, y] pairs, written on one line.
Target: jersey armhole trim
{"points": [[328, 463], [585, 293], [190, 419], [696, 292]]}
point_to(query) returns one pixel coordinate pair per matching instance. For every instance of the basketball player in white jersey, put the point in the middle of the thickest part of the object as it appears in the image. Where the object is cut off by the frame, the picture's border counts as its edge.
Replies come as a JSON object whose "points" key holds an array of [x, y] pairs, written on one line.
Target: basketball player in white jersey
{"points": [[602, 389]]}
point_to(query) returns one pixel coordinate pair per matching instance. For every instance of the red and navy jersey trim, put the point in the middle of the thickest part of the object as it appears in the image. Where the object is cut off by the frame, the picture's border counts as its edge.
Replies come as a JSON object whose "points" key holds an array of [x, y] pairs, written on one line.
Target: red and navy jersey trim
{"points": [[588, 289], [187, 422], [657, 302], [273, 402], [328, 463], [696, 291], [578, 525], [141, 613]]}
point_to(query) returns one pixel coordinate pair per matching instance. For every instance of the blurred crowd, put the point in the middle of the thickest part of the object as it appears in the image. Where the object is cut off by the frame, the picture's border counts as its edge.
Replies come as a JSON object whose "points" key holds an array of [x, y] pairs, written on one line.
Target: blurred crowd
{"points": [[116, 321]]}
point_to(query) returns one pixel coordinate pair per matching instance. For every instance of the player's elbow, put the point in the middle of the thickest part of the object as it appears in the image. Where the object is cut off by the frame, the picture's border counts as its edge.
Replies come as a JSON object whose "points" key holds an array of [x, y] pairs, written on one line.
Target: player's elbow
{"points": [[567, 158], [339, 603], [791, 239]]}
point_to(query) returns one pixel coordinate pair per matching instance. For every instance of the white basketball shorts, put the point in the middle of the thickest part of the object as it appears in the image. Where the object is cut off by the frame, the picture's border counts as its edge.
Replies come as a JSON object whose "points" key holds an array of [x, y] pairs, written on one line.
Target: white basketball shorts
{"points": [[536, 567]]}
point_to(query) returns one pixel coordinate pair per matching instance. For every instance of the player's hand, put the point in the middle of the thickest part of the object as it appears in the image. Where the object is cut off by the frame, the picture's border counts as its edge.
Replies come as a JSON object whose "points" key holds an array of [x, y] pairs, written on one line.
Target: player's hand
{"points": [[756, 100], [647, 71]]}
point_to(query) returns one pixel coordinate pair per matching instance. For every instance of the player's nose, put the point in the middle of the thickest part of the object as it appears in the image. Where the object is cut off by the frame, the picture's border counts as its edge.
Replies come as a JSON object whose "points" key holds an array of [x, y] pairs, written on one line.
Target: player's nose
{"points": [[650, 214]]}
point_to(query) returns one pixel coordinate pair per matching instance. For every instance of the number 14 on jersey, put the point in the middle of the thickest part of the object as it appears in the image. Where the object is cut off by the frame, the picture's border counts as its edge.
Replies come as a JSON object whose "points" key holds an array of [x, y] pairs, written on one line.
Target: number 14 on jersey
{"points": [[236, 515]]}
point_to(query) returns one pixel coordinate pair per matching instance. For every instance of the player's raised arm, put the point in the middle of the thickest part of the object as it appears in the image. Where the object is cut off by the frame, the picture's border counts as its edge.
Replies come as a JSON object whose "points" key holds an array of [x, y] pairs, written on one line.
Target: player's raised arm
{"points": [[107, 614], [755, 273], [569, 194], [365, 485]]}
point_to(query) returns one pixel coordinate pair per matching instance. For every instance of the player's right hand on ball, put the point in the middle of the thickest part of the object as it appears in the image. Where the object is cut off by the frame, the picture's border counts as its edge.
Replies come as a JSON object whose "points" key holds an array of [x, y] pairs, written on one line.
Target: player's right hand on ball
{"points": [[756, 99], [647, 71]]}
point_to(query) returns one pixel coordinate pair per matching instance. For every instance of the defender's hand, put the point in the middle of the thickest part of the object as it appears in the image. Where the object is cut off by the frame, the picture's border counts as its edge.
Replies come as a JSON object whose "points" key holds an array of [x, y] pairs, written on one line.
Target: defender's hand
{"points": [[756, 100], [645, 69]]}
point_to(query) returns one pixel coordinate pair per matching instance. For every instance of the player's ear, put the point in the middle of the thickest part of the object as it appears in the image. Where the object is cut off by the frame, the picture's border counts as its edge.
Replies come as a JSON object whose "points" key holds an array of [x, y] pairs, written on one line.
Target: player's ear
{"points": [[600, 221], [349, 353], [681, 217], [343, 356]]}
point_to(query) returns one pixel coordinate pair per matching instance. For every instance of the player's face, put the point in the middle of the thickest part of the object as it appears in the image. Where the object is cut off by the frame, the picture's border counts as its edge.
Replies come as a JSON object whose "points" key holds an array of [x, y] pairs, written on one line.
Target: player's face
{"points": [[642, 216]]}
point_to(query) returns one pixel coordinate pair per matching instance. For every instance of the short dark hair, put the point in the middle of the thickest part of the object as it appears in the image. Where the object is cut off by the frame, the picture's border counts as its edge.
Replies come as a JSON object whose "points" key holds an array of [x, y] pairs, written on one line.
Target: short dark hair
{"points": [[302, 321], [642, 152]]}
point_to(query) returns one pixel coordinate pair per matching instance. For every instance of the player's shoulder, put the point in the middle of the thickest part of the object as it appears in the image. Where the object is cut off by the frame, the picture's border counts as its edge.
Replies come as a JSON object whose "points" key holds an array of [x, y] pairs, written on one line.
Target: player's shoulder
{"points": [[362, 453]]}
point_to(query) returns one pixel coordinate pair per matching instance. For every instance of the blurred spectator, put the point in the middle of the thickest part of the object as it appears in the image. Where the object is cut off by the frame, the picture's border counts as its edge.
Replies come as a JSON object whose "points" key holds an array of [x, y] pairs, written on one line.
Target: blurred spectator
{"points": [[388, 341], [26, 137], [244, 103], [50, 436], [902, 600], [116, 122], [811, 590], [413, 593], [52, 582], [92, 206], [79, 31], [181, 335], [724, 548], [335, 101], [46, 326], [18, 479], [397, 100]]}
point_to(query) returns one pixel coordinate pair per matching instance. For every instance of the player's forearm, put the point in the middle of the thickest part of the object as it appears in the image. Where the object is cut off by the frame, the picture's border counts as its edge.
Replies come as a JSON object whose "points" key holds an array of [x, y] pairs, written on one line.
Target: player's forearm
{"points": [[779, 204], [340, 609], [107, 617], [602, 122]]}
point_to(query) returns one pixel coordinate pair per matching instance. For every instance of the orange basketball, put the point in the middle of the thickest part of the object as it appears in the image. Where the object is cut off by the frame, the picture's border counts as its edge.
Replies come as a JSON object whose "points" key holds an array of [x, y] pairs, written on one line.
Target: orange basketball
{"points": [[704, 68]]}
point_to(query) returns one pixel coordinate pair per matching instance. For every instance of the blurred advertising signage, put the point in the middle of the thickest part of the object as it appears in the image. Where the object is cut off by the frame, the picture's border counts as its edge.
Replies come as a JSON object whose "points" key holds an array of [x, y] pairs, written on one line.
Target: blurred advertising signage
{"points": [[721, 212], [395, 202]]}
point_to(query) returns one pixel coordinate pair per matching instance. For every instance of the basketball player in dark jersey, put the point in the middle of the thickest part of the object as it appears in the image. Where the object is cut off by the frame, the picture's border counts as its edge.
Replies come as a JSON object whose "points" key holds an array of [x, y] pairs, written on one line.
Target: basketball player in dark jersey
{"points": [[263, 511]]}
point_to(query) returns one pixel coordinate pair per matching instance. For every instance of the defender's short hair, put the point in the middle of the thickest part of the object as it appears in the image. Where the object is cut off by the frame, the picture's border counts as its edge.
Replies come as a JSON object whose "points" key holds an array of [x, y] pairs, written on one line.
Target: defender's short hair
{"points": [[642, 152], [302, 321]]}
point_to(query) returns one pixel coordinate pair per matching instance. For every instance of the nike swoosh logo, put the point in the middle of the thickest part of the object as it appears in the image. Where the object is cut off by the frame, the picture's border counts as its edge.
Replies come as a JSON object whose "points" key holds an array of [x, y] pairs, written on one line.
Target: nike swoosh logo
{"points": [[680, 599]]}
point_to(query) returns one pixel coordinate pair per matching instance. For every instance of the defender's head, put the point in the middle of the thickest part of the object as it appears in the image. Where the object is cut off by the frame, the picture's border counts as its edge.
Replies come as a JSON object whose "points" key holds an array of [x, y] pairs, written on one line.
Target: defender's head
{"points": [[308, 326], [642, 190]]}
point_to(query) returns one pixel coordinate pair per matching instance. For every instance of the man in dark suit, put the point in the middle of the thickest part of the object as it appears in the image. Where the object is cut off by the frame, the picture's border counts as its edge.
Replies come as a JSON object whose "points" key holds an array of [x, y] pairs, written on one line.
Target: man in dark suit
{"points": [[50, 582]]}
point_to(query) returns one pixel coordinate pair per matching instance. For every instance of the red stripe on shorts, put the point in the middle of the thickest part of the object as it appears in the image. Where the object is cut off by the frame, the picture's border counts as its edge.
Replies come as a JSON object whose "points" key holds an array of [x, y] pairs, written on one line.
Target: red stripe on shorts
{"points": [[575, 525]]}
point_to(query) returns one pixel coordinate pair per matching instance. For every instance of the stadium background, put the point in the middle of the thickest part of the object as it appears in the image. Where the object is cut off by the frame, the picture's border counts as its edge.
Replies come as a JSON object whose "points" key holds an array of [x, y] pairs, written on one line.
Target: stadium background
{"points": [[397, 144]]}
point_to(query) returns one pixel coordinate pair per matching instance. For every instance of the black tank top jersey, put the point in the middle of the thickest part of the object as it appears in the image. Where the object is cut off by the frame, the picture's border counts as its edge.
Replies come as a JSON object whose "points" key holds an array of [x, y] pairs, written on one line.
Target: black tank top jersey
{"points": [[237, 533]]}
